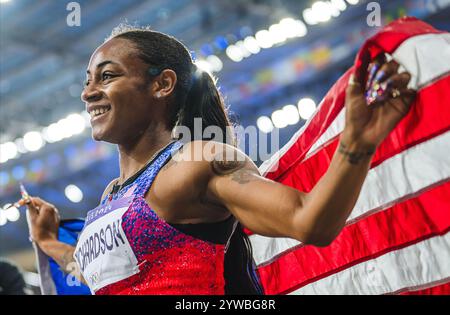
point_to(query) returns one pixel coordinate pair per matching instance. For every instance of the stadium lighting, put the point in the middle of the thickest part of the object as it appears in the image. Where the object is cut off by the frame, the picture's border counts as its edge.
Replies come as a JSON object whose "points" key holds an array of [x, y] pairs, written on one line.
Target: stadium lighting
{"points": [[20, 147], [321, 11], [306, 107], [264, 124], [245, 52], [8, 151], [335, 12], [12, 214], [309, 17], [64, 128], [293, 28], [75, 123], [67, 127], [234, 53], [301, 29], [279, 33], [203, 65], [264, 39], [339, 4], [4, 1], [87, 118], [33, 141], [252, 45], [215, 62], [73, 193], [3, 219], [353, 2], [52, 134], [279, 119], [291, 112]]}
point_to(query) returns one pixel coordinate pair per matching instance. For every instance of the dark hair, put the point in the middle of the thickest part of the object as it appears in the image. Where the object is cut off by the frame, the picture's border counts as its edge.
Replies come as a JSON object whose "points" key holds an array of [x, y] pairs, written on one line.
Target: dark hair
{"points": [[11, 279], [196, 96]]}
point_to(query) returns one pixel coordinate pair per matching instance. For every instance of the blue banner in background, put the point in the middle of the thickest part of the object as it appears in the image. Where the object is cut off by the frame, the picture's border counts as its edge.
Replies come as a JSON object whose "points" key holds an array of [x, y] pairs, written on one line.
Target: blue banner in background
{"points": [[68, 233]]}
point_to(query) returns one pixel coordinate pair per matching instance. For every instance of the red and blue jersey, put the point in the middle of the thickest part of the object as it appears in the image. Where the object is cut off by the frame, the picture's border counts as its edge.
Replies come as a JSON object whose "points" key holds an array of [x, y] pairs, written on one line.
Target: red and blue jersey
{"points": [[125, 248]]}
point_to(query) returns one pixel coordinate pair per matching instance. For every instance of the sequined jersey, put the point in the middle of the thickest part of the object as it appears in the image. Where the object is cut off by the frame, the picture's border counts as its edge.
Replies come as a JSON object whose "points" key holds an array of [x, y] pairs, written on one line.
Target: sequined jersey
{"points": [[169, 261]]}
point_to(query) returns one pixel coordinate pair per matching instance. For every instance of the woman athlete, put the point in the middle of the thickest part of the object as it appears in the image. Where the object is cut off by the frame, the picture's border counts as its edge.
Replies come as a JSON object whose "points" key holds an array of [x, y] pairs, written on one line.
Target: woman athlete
{"points": [[171, 223]]}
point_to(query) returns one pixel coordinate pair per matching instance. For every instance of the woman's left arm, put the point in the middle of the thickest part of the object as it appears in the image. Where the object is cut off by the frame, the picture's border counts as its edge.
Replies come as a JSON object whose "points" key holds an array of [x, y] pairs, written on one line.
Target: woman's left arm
{"points": [[272, 209]]}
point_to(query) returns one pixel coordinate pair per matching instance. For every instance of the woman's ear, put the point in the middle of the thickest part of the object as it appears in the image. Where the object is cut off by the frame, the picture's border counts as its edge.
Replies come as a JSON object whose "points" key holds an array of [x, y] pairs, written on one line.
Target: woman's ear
{"points": [[165, 83]]}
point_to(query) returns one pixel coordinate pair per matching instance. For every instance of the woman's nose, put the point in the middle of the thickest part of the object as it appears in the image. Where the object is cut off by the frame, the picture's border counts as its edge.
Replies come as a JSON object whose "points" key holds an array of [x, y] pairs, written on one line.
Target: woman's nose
{"points": [[90, 93]]}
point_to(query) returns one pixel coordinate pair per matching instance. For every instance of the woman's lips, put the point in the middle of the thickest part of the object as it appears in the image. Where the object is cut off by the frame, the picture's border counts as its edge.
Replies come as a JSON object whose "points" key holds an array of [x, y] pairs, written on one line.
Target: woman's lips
{"points": [[100, 116]]}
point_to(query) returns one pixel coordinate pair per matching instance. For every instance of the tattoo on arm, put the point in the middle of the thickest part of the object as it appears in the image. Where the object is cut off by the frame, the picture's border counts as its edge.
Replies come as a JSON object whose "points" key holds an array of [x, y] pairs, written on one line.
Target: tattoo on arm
{"points": [[68, 265], [226, 167], [233, 168], [354, 157], [67, 258]]}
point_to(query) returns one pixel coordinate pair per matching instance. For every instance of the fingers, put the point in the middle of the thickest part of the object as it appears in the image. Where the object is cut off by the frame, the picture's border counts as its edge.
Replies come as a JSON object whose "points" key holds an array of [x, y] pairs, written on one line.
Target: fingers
{"points": [[33, 208], [387, 83], [353, 86], [407, 97], [38, 206], [373, 69], [399, 81], [386, 70]]}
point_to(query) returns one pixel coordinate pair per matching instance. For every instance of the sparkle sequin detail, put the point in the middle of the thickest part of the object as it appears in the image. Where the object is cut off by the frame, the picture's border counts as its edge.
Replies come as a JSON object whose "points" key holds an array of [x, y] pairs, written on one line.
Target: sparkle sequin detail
{"points": [[170, 261]]}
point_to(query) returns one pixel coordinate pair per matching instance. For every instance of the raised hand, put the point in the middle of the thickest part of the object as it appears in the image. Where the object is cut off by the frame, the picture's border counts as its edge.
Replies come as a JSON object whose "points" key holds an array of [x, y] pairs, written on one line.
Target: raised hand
{"points": [[44, 220], [373, 111]]}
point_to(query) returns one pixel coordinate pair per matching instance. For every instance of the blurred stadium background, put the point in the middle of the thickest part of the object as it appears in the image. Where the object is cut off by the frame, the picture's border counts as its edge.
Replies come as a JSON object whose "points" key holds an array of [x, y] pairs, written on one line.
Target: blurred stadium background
{"points": [[275, 59]]}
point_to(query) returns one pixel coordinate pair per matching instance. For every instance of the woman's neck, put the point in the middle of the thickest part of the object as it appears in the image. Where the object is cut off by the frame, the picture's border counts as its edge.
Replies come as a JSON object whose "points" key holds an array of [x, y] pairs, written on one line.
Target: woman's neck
{"points": [[135, 154]]}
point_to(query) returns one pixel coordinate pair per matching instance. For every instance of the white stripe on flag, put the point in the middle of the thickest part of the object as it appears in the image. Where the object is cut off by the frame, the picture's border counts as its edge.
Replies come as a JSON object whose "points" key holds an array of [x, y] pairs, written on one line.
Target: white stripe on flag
{"points": [[397, 178], [332, 131], [413, 266], [425, 57]]}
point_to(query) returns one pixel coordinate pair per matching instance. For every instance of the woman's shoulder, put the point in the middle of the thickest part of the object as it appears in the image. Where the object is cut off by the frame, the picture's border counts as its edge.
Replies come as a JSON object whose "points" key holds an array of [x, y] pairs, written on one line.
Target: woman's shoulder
{"points": [[206, 151]]}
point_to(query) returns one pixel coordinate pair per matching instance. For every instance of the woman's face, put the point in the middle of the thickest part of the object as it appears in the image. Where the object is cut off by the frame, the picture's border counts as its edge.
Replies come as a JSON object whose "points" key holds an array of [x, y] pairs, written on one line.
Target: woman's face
{"points": [[118, 93]]}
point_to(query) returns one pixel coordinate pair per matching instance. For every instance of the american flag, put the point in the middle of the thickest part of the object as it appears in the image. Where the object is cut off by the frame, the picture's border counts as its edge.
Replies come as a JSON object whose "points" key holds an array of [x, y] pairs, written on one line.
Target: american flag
{"points": [[396, 239]]}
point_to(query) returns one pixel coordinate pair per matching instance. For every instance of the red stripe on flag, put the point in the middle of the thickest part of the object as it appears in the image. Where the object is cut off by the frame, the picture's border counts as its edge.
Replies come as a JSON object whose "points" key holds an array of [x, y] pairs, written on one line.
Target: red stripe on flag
{"points": [[401, 225], [443, 289]]}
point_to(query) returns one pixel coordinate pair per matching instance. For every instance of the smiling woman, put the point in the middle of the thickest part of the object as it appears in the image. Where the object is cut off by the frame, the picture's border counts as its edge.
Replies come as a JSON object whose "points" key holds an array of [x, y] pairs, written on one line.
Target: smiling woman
{"points": [[172, 223]]}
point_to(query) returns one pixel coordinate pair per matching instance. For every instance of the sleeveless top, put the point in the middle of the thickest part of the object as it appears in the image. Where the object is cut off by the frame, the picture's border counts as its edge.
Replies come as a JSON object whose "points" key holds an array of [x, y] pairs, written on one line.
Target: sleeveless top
{"points": [[125, 248]]}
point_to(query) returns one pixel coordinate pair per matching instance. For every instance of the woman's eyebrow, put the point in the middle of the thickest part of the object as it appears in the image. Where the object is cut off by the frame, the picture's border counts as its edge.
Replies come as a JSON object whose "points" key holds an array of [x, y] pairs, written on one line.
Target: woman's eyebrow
{"points": [[103, 63]]}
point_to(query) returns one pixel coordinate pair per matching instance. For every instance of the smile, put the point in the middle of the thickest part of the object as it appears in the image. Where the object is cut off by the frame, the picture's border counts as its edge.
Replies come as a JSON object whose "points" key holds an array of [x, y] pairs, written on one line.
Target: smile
{"points": [[99, 111]]}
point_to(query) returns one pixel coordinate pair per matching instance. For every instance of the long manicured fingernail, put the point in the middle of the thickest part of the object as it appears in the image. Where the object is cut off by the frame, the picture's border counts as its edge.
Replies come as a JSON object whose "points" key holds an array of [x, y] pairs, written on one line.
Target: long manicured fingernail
{"points": [[380, 75], [371, 74]]}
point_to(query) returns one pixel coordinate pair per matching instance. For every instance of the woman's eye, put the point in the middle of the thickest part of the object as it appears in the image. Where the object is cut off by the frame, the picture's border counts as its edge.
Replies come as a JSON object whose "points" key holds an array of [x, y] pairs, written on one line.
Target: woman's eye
{"points": [[106, 76]]}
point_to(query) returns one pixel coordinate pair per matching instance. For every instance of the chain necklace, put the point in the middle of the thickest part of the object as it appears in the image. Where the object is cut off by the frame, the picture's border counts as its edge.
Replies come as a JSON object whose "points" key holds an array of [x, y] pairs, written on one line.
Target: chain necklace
{"points": [[116, 188]]}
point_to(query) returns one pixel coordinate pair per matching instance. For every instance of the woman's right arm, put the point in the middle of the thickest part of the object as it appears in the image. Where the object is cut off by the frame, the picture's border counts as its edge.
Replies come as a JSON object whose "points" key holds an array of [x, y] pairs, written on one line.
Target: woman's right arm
{"points": [[44, 219], [44, 223]]}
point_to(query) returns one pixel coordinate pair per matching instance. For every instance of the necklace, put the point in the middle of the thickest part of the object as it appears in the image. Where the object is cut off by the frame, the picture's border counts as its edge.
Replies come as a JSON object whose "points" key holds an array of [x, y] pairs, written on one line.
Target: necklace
{"points": [[116, 188]]}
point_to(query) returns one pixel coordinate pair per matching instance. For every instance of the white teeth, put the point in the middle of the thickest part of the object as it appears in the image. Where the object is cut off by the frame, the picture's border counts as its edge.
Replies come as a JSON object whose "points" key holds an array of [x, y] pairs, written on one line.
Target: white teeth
{"points": [[99, 111]]}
